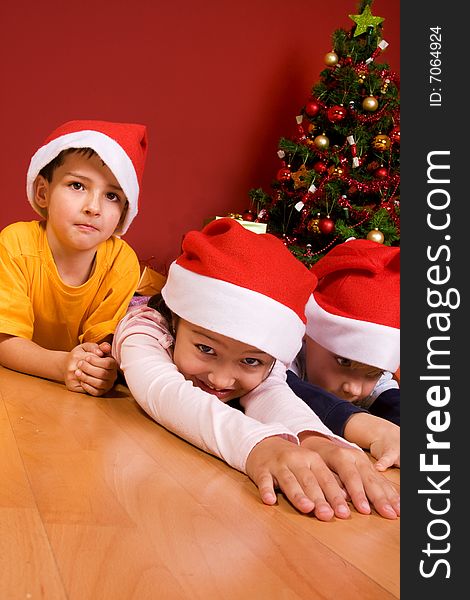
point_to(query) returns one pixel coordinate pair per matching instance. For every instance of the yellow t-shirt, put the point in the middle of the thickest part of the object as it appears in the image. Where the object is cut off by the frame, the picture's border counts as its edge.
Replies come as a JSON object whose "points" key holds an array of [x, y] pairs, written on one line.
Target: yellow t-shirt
{"points": [[36, 304]]}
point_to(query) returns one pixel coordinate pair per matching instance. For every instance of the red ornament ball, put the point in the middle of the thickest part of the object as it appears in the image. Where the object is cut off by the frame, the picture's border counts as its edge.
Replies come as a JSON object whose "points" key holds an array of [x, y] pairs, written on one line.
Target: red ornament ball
{"points": [[248, 215], [326, 225], [283, 174], [312, 108], [394, 135], [337, 113], [381, 173], [320, 167]]}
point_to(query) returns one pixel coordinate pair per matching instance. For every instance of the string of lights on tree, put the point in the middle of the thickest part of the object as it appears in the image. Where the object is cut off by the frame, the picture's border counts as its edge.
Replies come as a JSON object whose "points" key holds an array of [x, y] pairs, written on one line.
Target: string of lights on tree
{"points": [[339, 174]]}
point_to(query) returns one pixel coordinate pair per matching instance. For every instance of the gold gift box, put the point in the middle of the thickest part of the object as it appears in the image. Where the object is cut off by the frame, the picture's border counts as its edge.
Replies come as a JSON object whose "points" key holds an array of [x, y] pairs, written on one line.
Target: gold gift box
{"points": [[150, 283], [250, 225]]}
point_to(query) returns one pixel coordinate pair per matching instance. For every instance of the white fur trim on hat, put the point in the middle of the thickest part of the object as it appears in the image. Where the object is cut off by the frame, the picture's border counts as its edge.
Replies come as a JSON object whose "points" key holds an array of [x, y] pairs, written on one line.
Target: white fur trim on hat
{"points": [[108, 150], [235, 312], [369, 343]]}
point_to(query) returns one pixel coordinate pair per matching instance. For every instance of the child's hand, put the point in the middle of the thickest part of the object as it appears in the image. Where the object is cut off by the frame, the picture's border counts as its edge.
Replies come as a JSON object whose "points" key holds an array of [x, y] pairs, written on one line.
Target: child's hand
{"points": [[91, 369], [300, 473], [386, 447], [358, 475], [379, 436]]}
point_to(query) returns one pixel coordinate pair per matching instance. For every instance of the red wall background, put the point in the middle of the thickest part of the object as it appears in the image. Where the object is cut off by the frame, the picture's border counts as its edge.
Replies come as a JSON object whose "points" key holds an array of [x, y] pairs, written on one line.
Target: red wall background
{"points": [[217, 84]]}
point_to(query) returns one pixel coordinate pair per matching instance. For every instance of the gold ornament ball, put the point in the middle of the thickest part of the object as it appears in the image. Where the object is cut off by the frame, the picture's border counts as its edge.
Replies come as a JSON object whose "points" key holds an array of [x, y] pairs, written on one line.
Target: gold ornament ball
{"points": [[312, 225], [375, 235], [321, 142], [337, 170], [370, 103], [331, 59], [381, 143]]}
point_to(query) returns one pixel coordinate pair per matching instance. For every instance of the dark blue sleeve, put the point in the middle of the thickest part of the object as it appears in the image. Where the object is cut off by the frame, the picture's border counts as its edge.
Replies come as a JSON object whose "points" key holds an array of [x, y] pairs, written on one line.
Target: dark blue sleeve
{"points": [[387, 406], [333, 412]]}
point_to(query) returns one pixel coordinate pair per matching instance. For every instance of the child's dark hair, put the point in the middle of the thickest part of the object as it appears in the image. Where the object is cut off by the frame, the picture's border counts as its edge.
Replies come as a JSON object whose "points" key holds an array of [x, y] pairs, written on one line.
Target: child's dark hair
{"points": [[158, 303], [48, 171]]}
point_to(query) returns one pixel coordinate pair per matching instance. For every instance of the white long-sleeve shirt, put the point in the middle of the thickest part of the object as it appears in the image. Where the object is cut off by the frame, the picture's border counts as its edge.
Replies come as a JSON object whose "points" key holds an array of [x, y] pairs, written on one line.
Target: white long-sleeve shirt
{"points": [[142, 346]]}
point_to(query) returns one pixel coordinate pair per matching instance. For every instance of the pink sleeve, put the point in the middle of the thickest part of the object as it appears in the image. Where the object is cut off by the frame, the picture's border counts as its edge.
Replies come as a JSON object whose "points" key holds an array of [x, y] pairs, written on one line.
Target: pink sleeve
{"points": [[274, 402], [141, 348]]}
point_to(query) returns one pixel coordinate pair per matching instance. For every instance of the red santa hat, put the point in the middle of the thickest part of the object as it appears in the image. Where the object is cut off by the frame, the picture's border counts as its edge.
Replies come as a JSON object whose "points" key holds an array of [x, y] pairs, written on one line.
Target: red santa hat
{"points": [[122, 146], [244, 285], [355, 309]]}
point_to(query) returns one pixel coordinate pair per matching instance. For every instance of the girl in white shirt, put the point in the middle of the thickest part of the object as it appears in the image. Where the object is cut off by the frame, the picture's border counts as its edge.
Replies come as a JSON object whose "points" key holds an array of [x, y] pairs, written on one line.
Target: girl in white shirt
{"points": [[236, 319]]}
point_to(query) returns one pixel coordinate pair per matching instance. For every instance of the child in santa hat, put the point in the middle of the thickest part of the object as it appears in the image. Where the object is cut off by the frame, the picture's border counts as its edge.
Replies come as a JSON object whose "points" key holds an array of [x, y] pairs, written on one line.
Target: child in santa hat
{"points": [[352, 346], [68, 279], [230, 318]]}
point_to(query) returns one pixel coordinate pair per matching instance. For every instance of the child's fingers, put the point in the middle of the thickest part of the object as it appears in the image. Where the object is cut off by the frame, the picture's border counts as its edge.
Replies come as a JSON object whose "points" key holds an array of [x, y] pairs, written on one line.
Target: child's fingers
{"points": [[105, 347], [98, 379], [92, 390], [305, 500], [92, 363], [366, 487], [340, 483], [336, 500], [387, 460], [94, 385], [301, 474], [386, 501], [385, 497], [352, 480], [86, 379], [321, 485], [387, 453], [265, 485], [381, 466], [73, 385], [307, 493], [92, 348]]}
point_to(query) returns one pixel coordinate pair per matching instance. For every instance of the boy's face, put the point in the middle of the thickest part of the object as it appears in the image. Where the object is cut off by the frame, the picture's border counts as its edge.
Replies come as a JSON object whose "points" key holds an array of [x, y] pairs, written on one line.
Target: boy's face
{"points": [[342, 377], [219, 365], [84, 203]]}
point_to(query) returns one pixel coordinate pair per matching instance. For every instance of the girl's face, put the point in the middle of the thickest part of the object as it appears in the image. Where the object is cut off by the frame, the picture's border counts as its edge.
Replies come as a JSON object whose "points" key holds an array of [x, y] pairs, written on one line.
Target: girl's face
{"points": [[216, 364], [342, 377]]}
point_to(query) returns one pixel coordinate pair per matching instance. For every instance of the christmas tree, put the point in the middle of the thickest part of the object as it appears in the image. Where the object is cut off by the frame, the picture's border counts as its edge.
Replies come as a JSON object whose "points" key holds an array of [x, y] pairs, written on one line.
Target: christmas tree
{"points": [[339, 175]]}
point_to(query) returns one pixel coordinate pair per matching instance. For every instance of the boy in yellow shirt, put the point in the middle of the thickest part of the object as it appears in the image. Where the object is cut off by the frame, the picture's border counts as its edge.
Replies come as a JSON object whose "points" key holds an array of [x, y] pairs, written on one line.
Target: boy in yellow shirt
{"points": [[67, 280]]}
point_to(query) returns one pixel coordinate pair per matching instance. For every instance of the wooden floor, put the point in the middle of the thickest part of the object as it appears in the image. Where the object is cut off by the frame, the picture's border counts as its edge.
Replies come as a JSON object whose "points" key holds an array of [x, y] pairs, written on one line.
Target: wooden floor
{"points": [[99, 502]]}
